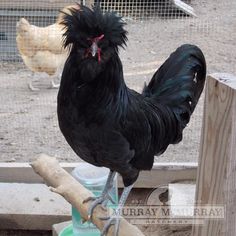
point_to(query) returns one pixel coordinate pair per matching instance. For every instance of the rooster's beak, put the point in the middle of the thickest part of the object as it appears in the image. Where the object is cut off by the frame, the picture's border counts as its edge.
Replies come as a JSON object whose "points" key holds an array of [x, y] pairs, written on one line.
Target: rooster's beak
{"points": [[94, 49]]}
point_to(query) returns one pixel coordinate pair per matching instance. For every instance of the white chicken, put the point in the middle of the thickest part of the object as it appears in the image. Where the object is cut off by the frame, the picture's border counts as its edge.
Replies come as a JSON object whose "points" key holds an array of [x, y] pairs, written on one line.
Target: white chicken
{"points": [[41, 47]]}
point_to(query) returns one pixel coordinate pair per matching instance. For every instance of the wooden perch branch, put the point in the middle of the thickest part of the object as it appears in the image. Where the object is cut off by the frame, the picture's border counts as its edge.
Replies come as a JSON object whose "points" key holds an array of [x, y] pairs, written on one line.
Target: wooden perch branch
{"points": [[64, 184]]}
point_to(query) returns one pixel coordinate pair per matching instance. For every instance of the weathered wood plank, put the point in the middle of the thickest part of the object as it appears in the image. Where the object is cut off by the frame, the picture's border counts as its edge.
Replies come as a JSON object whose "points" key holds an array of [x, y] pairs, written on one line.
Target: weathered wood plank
{"points": [[31, 207], [162, 173], [35, 207], [216, 181]]}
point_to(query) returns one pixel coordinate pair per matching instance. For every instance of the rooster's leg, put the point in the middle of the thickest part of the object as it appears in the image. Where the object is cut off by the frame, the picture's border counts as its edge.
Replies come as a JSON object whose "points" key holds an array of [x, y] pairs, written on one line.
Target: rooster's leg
{"points": [[115, 219], [30, 83], [104, 198], [54, 85]]}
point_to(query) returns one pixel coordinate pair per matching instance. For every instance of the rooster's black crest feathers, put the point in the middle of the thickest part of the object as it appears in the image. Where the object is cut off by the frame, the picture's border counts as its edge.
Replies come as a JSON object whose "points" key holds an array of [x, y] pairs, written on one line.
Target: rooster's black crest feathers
{"points": [[83, 23]]}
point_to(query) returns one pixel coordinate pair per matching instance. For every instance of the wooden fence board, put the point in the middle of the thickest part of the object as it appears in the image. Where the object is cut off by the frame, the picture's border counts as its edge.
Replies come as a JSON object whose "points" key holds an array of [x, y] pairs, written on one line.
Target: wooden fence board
{"points": [[216, 181], [162, 173]]}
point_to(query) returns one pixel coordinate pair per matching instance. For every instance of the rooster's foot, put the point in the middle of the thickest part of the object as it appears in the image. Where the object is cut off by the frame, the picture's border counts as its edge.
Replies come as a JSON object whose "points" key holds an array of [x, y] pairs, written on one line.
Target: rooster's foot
{"points": [[114, 220], [31, 87], [54, 85], [103, 200]]}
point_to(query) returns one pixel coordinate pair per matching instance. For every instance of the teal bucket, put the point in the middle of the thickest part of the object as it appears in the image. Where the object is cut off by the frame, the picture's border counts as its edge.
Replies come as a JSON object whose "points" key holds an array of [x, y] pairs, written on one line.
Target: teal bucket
{"points": [[67, 231]]}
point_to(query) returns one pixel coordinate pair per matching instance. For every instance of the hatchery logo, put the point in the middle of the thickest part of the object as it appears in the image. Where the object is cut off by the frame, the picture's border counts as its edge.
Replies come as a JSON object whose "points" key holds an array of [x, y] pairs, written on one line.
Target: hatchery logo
{"points": [[184, 214], [162, 207]]}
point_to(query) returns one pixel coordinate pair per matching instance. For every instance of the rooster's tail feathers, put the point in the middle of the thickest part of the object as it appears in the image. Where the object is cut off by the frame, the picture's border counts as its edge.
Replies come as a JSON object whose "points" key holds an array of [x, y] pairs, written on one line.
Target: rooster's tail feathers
{"points": [[178, 83]]}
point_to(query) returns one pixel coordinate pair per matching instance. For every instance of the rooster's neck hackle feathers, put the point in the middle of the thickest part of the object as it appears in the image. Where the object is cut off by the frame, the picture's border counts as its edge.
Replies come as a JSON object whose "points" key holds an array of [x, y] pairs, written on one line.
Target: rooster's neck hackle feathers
{"points": [[83, 23]]}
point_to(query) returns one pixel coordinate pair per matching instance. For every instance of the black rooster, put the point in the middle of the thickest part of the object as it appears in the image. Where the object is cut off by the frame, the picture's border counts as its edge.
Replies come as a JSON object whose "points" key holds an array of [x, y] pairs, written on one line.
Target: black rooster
{"points": [[105, 122]]}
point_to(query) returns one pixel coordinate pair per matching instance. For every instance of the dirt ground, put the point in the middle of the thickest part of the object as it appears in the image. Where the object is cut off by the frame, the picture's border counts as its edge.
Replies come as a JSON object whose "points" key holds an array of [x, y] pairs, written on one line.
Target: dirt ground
{"points": [[28, 119]]}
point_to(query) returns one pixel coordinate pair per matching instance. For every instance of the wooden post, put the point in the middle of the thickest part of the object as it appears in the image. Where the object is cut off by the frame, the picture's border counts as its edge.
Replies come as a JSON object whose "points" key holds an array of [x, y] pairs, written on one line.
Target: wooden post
{"points": [[216, 178]]}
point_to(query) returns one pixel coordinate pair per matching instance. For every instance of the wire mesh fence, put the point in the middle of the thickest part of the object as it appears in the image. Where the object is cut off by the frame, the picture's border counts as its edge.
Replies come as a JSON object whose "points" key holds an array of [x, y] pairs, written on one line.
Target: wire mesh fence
{"points": [[156, 28], [145, 9]]}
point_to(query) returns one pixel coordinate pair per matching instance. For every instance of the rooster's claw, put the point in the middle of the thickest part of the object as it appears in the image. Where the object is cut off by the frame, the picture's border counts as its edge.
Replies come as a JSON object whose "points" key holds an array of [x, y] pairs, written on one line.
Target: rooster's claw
{"points": [[114, 220], [103, 199]]}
